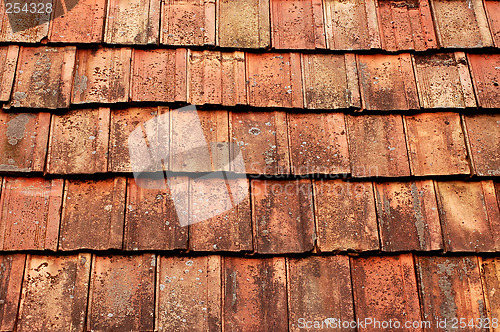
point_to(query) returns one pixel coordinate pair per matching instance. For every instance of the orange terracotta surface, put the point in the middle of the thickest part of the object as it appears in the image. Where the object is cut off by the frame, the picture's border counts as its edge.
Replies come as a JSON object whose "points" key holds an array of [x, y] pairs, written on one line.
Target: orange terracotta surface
{"points": [[483, 132]]}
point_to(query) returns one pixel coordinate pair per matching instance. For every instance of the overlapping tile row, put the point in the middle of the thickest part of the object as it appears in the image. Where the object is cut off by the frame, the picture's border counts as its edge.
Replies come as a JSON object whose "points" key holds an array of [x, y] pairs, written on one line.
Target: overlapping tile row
{"points": [[152, 292], [56, 77]]}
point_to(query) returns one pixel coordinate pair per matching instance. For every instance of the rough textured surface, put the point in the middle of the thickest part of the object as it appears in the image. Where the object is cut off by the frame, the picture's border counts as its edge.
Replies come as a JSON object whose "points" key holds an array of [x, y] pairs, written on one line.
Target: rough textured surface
{"points": [[24, 26], [11, 278], [490, 269], [492, 11], [8, 61], [483, 132], [485, 70]]}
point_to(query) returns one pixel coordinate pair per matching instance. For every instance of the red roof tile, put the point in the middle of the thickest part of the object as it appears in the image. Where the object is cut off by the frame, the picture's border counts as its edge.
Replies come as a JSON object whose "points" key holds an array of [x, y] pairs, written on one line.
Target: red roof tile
{"points": [[485, 69], [102, 75], [122, 293], [24, 26], [318, 143], [483, 132], [8, 61], [436, 144], [11, 280], [188, 294], [55, 293], [330, 81], [30, 213], [43, 78], [297, 24], [283, 217], [23, 141], [79, 142], [254, 297], [492, 10], [387, 82], [490, 269], [345, 216], [93, 214], [377, 146], [408, 216], [243, 23]]}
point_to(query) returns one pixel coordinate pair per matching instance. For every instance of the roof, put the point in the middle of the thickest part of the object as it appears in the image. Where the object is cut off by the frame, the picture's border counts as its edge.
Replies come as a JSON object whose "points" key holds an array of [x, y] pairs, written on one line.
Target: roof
{"points": [[341, 165]]}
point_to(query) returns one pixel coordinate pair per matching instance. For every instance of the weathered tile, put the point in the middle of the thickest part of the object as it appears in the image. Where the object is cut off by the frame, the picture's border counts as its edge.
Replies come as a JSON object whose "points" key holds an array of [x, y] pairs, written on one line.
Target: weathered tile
{"points": [[387, 82], [262, 139], [450, 289], [408, 216], [469, 215], [122, 293], [11, 279], [188, 22], [330, 81], [345, 216], [492, 11], [274, 80], [151, 221], [243, 24], [283, 219], [8, 63], [79, 142], [159, 75], [319, 290], [23, 141], [436, 144], [93, 214], [351, 24], [377, 146], [132, 22], [25, 26], [30, 211], [102, 75], [318, 143], [233, 79], [406, 25], [43, 77], [385, 288], [77, 21], [297, 24], [483, 132], [443, 81], [461, 23], [249, 284], [189, 294], [485, 70], [490, 270], [55, 293]]}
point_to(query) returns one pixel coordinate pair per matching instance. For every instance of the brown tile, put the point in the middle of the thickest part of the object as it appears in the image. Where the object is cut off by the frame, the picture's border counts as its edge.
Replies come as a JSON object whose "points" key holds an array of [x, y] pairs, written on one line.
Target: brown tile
{"points": [[243, 24], [385, 288], [55, 293], [189, 294], [345, 216], [11, 280], [351, 24], [490, 271], [122, 293], [483, 132], [93, 214], [77, 21], [8, 61], [406, 25], [492, 12], [79, 142], [408, 216], [43, 78], [318, 143], [30, 211], [297, 24], [469, 215], [443, 81], [450, 288], [249, 284], [319, 288], [461, 24], [132, 22], [283, 217], [262, 139], [377, 146], [387, 82], [274, 80], [188, 22], [102, 75], [151, 221], [436, 144], [24, 27], [485, 70], [23, 141], [330, 81]]}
